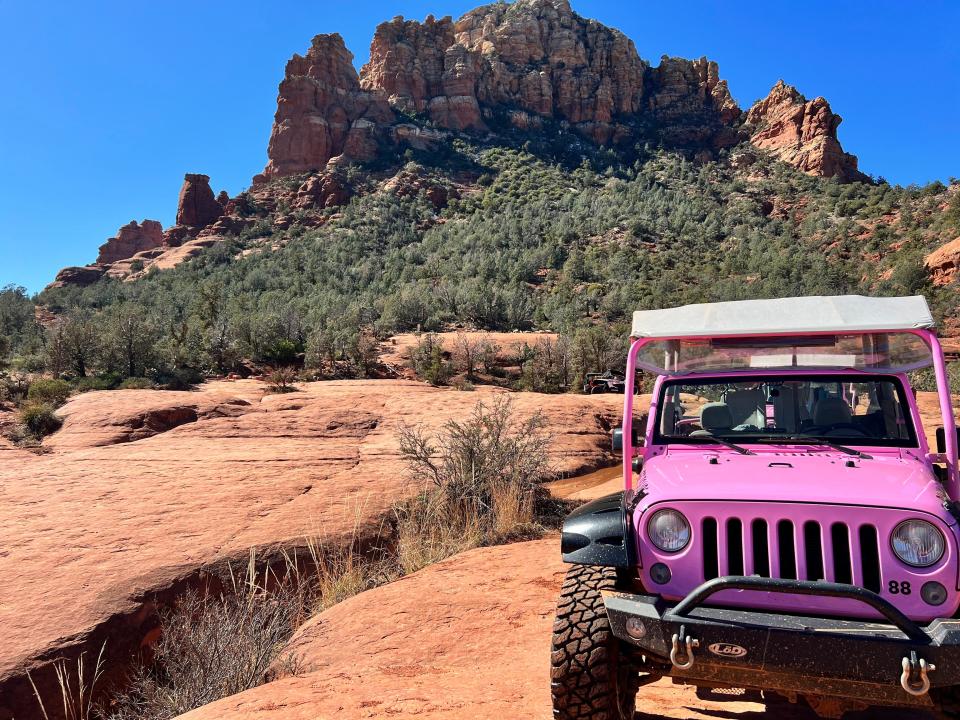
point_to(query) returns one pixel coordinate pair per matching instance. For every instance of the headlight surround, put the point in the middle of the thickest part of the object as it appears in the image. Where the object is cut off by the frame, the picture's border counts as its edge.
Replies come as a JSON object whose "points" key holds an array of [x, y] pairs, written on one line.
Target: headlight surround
{"points": [[918, 543], [668, 530]]}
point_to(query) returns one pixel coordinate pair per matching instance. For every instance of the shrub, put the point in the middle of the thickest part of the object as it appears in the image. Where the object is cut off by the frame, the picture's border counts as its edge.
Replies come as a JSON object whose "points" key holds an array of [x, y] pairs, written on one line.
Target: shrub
{"points": [[213, 646], [136, 383], [14, 387], [484, 481], [177, 378], [281, 380], [40, 419], [428, 362], [107, 381], [49, 391]]}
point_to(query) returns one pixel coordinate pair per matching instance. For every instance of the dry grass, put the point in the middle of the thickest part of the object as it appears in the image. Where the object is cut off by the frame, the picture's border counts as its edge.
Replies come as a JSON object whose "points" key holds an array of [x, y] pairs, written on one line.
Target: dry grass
{"points": [[485, 480], [76, 691], [215, 645]]}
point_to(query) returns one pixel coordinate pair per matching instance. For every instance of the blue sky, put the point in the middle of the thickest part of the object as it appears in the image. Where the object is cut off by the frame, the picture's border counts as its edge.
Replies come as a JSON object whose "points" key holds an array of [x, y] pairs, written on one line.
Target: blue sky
{"points": [[105, 105]]}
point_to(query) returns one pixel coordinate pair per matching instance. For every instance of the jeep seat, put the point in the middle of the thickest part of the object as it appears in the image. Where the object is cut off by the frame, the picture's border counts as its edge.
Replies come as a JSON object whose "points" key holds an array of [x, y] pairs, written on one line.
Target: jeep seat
{"points": [[714, 418], [747, 407], [788, 412], [832, 410]]}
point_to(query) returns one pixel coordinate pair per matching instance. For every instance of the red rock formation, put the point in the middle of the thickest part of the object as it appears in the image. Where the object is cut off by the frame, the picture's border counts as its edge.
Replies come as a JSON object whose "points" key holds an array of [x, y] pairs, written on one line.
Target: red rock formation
{"points": [[131, 239], [322, 111], [526, 61], [692, 105], [323, 191], [196, 206], [801, 133], [79, 276], [944, 262], [536, 55]]}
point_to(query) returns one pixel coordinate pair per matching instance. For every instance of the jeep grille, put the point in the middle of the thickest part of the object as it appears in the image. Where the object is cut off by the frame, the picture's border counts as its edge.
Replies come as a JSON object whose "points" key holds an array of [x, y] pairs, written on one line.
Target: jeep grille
{"points": [[837, 553]]}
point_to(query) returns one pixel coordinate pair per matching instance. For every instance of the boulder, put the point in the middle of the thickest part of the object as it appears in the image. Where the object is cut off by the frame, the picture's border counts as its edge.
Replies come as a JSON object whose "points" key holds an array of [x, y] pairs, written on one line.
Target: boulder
{"points": [[323, 191], [942, 263], [131, 239], [142, 490], [79, 276]]}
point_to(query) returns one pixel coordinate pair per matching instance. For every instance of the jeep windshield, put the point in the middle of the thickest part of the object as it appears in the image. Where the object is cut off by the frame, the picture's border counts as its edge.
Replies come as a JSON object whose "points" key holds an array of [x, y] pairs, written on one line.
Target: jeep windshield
{"points": [[831, 410]]}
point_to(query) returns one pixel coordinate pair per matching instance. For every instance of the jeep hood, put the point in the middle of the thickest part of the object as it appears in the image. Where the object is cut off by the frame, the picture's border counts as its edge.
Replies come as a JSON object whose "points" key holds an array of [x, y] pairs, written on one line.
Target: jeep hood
{"points": [[817, 476]]}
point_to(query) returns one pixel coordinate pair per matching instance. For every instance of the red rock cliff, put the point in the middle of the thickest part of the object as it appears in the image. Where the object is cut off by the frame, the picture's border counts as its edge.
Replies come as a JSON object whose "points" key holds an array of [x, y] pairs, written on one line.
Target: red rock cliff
{"points": [[322, 112], [801, 133]]}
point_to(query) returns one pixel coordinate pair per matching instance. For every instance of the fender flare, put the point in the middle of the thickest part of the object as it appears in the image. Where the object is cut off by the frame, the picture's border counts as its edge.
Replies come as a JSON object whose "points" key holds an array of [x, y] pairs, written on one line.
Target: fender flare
{"points": [[598, 533]]}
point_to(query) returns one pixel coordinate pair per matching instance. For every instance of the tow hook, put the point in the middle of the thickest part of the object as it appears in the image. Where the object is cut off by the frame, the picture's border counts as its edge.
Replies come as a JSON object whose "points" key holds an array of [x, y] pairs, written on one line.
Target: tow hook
{"points": [[913, 679], [683, 643]]}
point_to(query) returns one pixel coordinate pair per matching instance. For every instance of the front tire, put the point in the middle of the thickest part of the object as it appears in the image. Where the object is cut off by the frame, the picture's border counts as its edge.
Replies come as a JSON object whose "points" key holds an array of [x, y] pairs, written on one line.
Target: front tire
{"points": [[591, 677]]}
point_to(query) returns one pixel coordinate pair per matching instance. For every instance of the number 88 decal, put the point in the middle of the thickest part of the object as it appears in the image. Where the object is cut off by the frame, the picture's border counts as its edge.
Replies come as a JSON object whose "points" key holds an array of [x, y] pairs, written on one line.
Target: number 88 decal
{"points": [[899, 588]]}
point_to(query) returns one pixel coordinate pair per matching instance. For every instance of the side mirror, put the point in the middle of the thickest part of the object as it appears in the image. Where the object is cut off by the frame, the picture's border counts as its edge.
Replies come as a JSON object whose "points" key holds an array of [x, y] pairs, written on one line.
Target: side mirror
{"points": [[942, 439], [616, 438]]}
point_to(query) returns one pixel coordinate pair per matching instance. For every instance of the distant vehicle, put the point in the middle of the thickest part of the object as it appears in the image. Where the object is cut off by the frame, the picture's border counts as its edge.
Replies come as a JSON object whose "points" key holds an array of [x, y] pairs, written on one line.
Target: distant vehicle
{"points": [[785, 527], [596, 383]]}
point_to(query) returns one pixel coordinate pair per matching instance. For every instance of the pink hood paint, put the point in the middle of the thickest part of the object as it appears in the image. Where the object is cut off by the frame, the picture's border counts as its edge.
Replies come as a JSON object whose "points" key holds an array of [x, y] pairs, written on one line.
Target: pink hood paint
{"points": [[814, 476]]}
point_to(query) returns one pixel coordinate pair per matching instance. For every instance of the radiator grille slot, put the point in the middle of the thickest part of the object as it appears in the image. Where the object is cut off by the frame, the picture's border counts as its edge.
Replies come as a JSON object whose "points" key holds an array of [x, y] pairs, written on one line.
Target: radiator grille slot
{"points": [[761, 550], [786, 551], [842, 567], [734, 547], [711, 557], [870, 558], [813, 550], [806, 550]]}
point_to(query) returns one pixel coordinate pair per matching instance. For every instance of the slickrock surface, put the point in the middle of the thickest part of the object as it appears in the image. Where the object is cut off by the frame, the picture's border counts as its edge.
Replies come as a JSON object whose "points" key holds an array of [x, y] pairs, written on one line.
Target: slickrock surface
{"points": [[801, 133], [396, 351], [467, 639], [90, 531]]}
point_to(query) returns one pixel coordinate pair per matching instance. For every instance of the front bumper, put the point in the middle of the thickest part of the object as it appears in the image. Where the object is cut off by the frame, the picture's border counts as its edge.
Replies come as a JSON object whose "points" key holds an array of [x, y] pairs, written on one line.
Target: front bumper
{"points": [[843, 658]]}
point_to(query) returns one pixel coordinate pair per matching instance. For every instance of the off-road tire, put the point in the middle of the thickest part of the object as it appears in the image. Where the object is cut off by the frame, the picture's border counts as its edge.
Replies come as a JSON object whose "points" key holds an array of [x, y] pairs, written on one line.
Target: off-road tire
{"points": [[591, 677]]}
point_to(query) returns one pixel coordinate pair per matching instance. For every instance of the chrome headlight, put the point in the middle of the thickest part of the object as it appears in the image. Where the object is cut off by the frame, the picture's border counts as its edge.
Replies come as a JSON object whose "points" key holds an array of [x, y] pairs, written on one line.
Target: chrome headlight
{"points": [[918, 543], [668, 530]]}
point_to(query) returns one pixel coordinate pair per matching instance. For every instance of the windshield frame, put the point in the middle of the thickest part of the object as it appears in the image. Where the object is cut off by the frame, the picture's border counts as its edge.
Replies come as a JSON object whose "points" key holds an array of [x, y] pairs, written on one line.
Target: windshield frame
{"points": [[767, 439]]}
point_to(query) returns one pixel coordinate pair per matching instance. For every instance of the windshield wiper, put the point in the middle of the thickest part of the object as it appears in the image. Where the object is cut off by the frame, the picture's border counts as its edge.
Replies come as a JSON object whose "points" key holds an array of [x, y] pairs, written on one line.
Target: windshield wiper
{"points": [[816, 440], [733, 446]]}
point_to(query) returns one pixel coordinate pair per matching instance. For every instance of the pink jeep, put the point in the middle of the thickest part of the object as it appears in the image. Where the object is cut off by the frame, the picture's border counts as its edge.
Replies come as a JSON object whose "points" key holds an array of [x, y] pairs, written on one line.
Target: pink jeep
{"points": [[784, 528]]}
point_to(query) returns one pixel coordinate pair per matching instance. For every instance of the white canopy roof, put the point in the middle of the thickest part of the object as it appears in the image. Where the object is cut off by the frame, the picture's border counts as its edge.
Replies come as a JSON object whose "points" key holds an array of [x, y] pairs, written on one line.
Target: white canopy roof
{"points": [[795, 316]]}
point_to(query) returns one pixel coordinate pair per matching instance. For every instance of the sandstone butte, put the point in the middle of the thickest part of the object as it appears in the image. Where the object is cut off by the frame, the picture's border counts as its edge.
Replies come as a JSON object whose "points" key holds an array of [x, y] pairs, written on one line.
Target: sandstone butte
{"points": [[519, 64], [142, 491]]}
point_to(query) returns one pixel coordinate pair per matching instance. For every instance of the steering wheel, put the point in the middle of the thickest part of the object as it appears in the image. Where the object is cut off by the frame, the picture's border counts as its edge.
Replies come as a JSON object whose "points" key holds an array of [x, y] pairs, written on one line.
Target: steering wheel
{"points": [[829, 430]]}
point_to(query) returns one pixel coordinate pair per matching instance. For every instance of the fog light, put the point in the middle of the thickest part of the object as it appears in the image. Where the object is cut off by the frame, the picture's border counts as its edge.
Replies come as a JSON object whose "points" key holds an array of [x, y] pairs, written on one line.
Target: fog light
{"points": [[660, 574], [933, 593], [636, 629]]}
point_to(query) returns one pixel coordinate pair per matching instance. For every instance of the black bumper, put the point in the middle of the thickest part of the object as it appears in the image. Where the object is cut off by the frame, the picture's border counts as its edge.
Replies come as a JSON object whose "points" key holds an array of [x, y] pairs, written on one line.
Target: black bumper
{"points": [[854, 659]]}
